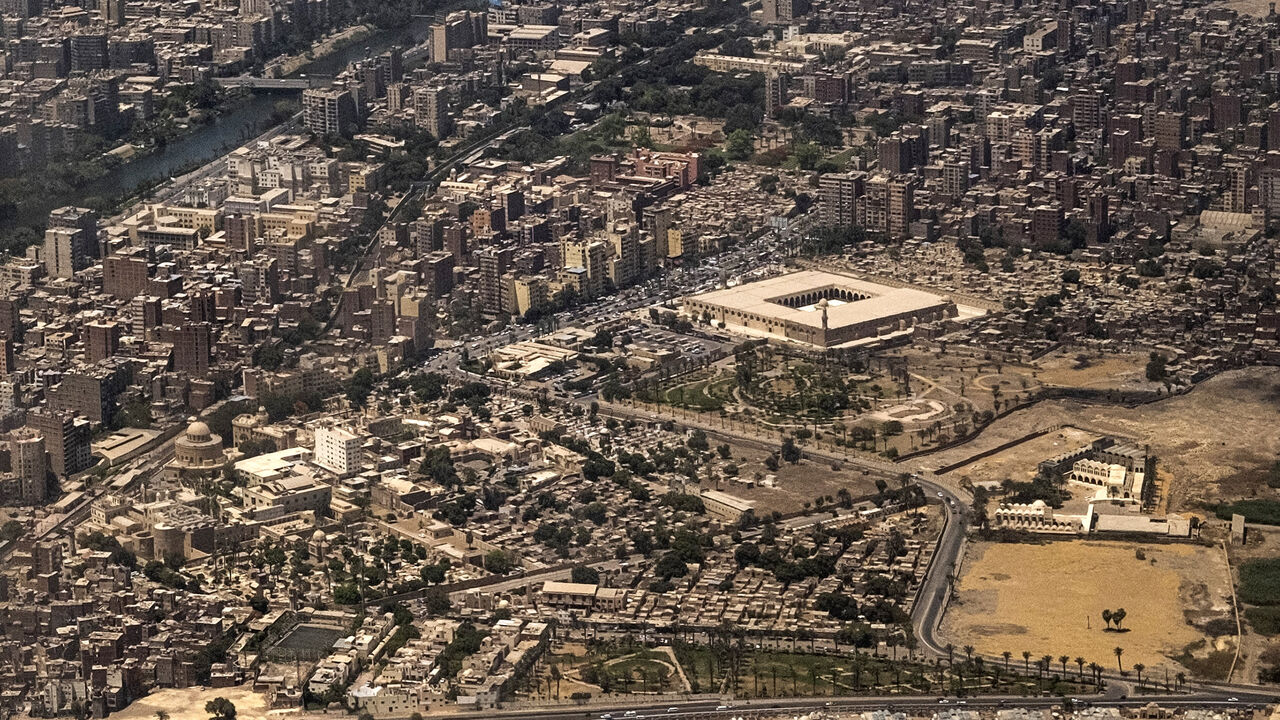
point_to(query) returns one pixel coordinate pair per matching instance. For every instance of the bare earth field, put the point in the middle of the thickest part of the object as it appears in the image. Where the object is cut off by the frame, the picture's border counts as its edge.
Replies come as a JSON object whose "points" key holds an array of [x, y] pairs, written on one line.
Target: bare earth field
{"points": [[1256, 8], [1049, 599], [1108, 371], [188, 704], [1207, 442], [794, 485], [1019, 462]]}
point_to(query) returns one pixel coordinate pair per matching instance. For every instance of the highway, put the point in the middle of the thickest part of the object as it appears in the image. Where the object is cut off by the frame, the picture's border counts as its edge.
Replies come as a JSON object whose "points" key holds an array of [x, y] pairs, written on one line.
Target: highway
{"points": [[791, 706]]}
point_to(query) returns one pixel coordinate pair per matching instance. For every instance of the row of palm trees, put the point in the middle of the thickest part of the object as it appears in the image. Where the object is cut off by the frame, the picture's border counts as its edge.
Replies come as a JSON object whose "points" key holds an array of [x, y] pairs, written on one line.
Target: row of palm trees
{"points": [[1045, 663]]}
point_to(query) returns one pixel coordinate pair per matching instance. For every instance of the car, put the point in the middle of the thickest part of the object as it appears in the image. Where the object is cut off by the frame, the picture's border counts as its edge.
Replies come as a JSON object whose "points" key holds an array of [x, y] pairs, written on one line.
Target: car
{"points": [[629, 713], [722, 707], [939, 493], [943, 701], [672, 709], [606, 716], [1233, 699]]}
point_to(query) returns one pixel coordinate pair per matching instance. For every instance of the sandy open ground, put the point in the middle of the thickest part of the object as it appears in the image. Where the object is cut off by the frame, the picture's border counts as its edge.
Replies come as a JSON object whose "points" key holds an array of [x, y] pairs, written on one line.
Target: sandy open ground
{"points": [[188, 704], [1203, 440], [1107, 371], [1049, 599], [1019, 462]]}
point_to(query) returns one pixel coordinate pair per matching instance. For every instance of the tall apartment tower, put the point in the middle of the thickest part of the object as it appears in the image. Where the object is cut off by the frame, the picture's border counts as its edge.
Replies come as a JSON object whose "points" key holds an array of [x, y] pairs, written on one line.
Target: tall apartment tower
{"points": [[66, 439], [837, 193], [103, 340], [329, 111], [30, 465], [431, 111], [775, 91], [494, 263], [192, 349], [783, 12], [67, 251]]}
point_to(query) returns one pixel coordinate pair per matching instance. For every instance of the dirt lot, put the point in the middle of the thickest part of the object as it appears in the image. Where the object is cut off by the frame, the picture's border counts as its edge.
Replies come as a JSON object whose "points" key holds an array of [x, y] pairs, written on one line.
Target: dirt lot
{"points": [[1256, 8], [1106, 371], [188, 704], [793, 485], [1049, 599], [1019, 462], [1208, 442]]}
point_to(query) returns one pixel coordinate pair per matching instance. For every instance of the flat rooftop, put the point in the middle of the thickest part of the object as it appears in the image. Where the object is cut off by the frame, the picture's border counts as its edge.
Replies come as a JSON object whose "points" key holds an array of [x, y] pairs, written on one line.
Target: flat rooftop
{"points": [[783, 298]]}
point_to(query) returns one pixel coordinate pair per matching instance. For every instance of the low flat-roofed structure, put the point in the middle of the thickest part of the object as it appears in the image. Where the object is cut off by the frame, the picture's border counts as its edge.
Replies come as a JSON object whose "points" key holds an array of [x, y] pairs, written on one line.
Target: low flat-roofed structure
{"points": [[820, 308], [726, 507], [569, 594]]}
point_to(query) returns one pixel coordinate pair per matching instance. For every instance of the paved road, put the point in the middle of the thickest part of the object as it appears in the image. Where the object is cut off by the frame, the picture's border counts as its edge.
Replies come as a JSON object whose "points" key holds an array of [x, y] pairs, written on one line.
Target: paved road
{"points": [[774, 707]]}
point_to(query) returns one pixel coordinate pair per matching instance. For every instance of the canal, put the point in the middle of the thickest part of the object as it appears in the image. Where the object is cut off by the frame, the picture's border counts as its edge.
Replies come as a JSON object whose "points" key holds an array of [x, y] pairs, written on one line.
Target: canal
{"points": [[244, 121]]}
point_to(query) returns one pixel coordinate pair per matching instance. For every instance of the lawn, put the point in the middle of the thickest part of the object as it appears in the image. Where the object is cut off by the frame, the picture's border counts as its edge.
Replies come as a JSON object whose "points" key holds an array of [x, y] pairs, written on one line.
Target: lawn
{"points": [[705, 395]]}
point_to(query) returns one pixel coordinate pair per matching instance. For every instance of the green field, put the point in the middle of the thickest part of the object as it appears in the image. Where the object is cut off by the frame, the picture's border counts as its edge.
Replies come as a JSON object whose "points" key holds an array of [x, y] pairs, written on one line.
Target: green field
{"points": [[705, 395], [1265, 512], [1260, 581]]}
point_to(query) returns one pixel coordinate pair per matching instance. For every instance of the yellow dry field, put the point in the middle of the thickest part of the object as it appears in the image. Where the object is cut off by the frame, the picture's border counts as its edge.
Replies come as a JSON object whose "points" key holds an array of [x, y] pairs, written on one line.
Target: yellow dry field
{"points": [[188, 704], [1020, 462], [1049, 599], [1256, 8], [1105, 371], [1203, 440]]}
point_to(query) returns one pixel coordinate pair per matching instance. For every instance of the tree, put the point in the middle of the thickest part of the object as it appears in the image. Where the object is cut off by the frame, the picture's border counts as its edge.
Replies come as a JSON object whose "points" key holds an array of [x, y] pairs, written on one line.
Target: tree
{"points": [[790, 452], [740, 144], [1119, 651], [220, 708], [1138, 668], [807, 155], [1117, 617], [162, 715], [1157, 367], [586, 575], [498, 562], [1106, 617]]}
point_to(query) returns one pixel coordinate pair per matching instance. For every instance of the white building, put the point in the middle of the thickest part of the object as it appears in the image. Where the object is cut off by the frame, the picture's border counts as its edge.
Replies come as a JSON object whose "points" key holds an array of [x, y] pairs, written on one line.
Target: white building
{"points": [[338, 450]]}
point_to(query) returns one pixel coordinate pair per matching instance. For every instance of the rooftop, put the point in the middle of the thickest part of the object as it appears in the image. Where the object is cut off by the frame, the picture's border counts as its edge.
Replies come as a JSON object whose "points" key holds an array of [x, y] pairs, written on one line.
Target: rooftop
{"points": [[801, 292]]}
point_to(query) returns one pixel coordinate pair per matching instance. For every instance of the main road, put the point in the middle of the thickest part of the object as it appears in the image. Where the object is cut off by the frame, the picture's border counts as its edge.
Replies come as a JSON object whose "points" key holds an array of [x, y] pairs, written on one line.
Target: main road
{"points": [[721, 710]]}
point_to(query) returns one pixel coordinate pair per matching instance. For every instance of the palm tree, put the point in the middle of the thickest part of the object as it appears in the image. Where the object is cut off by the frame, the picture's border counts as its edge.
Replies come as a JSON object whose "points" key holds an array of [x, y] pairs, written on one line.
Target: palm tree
{"points": [[1026, 661], [1106, 617], [1119, 651], [1006, 655], [951, 650], [1179, 679], [968, 652], [1080, 665], [1063, 659], [1138, 668]]}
